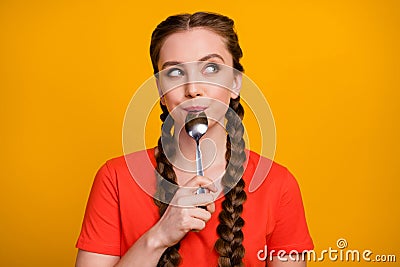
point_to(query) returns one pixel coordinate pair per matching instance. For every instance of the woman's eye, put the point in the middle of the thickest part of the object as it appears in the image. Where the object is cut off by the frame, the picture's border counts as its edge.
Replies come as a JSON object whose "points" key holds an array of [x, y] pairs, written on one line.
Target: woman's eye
{"points": [[175, 72], [211, 68]]}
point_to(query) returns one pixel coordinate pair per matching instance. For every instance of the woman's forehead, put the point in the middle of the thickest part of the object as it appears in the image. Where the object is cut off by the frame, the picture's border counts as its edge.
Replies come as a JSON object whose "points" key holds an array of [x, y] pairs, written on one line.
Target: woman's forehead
{"points": [[193, 45]]}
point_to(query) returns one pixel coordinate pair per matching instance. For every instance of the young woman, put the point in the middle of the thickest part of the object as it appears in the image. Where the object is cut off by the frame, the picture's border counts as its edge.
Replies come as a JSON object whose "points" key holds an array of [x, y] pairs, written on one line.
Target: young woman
{"points": [[225, 226]]}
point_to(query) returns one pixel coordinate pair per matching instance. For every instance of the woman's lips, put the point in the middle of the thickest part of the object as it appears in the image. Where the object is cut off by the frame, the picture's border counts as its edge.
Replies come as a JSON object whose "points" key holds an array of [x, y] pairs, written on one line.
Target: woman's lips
{"points": [[195, 108]]}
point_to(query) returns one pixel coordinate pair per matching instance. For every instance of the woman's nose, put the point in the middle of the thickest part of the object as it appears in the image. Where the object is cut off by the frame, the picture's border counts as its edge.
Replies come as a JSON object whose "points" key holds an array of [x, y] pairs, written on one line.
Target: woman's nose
{"points": [[193, 90]]}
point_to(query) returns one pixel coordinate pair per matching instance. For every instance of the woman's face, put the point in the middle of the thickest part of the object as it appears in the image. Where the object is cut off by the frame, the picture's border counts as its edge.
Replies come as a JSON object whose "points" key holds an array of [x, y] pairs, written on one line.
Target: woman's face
{"points": [[196, 75]]}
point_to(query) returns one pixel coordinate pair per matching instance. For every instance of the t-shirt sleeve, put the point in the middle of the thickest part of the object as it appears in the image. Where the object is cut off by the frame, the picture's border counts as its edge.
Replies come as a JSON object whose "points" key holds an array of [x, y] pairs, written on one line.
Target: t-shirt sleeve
{"points": [[290, 232], [100, 231]]}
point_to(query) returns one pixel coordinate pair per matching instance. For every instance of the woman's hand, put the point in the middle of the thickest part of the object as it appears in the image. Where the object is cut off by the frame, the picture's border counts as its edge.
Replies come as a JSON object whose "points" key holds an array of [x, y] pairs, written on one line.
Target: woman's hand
{"points": [[183, 214]]}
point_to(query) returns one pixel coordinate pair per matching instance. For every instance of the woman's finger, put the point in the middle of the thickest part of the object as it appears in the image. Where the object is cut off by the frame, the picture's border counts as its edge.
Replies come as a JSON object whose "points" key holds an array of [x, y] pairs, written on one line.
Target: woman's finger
{"points": [[197, 224], [200, 181], [211, 207], [200, 214], [192, 200]]}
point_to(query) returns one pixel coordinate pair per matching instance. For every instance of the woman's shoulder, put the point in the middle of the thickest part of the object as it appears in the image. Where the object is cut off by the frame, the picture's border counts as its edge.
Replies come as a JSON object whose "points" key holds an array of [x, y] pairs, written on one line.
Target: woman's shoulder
{"points": [[262, 172], [135, 159], [125, 167], [132, 171]]}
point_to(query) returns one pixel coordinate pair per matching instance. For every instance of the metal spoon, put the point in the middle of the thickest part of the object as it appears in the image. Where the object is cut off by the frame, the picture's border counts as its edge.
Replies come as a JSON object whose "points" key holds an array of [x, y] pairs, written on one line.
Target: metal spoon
{"points": [[196, 125]]}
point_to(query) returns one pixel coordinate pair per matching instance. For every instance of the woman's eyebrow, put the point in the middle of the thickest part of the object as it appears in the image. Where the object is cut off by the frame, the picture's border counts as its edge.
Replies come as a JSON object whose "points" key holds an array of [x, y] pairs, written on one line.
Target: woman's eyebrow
{"points": [[205, 58], [211, 56], [170, 63]]}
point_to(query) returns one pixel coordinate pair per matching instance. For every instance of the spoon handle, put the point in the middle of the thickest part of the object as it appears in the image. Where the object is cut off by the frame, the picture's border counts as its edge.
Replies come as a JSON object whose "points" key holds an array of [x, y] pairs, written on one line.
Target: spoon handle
{"points": [[199, 164], [199, 170]]}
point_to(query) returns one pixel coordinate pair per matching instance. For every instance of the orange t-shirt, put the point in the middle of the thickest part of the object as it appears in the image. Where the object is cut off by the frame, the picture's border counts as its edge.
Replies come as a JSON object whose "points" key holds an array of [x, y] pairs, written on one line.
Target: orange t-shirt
{"points": [[119, 211]]}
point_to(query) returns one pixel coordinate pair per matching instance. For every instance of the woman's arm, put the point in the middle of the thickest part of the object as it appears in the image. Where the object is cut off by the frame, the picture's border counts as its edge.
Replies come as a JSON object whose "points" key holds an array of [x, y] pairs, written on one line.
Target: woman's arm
{"points": [[180, 218], [145, 252], [86, 258], [285, 261], [291, 231]]}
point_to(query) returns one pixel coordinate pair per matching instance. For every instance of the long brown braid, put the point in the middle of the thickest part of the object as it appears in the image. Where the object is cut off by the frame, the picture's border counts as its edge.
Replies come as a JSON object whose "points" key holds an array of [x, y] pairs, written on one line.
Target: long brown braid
{"points": [[166, 178], [229, 245]]}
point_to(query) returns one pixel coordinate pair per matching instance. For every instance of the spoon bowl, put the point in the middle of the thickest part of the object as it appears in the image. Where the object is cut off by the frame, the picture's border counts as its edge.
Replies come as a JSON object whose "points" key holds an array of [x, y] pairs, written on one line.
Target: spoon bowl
{"points": [[196, 125]]}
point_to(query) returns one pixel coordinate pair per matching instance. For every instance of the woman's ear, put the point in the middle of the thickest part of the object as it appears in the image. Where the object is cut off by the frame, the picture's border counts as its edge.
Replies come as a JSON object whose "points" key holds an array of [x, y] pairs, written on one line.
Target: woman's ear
{"points": [[237, 85], [158, 85], [160, 93], [162, 100]]}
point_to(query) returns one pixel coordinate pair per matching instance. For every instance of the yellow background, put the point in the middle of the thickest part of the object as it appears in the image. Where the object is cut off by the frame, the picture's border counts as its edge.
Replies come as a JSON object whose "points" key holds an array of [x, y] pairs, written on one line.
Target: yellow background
{"points": [[329, 69]]}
